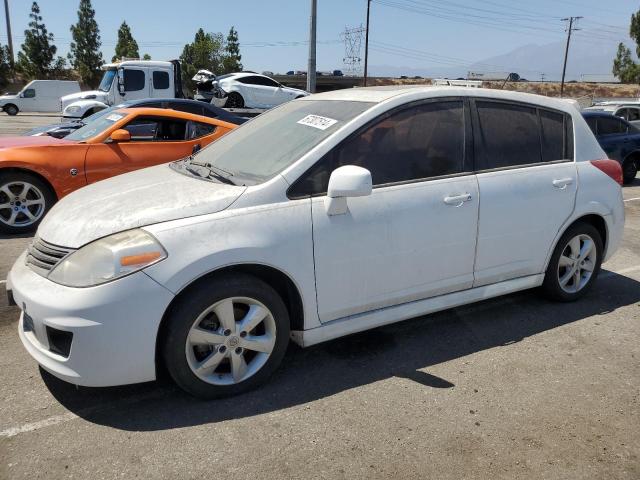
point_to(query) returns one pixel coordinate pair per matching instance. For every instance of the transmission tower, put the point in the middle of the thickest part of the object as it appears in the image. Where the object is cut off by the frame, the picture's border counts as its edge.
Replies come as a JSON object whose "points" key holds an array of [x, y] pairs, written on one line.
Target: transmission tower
{"points": [[352, 38]]}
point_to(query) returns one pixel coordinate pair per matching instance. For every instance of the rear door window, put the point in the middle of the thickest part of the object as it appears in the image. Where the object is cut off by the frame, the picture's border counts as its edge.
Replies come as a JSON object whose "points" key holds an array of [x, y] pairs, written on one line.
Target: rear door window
{"points": [[512, 135], [160, 80], [509, 135], [611, 126], [633, 114]]}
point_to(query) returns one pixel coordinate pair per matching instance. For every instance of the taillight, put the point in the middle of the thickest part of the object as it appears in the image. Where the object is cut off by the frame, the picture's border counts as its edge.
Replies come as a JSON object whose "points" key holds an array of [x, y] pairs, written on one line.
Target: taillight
{"points": [[609, 167]]}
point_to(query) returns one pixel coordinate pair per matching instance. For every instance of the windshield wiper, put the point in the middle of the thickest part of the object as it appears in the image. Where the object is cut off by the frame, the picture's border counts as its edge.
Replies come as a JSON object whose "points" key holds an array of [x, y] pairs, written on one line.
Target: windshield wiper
{"points": [[213, 171]]}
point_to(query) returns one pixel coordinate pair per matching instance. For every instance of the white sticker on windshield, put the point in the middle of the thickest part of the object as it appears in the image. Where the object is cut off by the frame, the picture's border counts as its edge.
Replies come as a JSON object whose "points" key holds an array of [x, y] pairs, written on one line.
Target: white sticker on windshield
{"points": [[114, 117], [316, 121]]}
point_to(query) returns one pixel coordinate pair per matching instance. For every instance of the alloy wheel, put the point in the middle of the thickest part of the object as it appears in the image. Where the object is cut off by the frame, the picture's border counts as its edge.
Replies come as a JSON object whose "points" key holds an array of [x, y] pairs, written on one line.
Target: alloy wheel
{"points": [[21, 204], [577, 263], [230, 341]]}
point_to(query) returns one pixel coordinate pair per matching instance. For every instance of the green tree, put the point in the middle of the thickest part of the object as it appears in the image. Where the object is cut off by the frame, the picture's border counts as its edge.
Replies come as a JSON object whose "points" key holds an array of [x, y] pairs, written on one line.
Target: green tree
{"points": [[232, 57], [624, 67], [126, 46], [5, 66], [37, 58], [146, 56], [85, 55], [205, 52]]}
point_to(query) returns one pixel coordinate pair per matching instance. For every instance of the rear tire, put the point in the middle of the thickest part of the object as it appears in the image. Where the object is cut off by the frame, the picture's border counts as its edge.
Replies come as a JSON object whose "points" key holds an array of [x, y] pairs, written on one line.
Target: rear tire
{"points": [[235, 100], [575, 263], [629, 171], [225, 336], [11, 109], [24, 201]]}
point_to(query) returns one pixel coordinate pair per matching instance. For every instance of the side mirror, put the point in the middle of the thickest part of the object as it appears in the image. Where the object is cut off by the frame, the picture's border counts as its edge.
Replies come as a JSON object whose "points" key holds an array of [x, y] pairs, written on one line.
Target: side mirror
{"points": [[345, 182], [121, 81], [120, 135], [21, 95]]}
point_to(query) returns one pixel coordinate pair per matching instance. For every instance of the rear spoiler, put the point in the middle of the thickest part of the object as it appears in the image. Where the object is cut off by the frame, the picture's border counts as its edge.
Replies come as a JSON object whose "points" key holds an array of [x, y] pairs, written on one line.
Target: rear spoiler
{"points": [[177, 79]]}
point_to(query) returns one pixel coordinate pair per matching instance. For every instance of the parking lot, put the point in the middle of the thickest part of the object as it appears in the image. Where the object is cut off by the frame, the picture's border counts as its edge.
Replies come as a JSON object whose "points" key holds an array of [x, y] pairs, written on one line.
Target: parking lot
{"points": [[515, 387]]}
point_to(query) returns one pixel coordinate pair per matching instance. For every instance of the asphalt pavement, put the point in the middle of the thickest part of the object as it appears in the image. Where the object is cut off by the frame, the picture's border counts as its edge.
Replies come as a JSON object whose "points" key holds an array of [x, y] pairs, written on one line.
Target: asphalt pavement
{"points": [[511, 388]]}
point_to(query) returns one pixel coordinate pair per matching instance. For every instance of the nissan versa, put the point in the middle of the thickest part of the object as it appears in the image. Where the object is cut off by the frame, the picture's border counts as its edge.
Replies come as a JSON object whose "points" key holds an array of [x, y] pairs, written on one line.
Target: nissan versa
{"points": [[328, 215]]}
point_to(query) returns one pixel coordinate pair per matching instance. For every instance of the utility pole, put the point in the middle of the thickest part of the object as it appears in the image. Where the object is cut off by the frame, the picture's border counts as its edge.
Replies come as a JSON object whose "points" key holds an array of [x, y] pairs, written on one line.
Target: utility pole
{"points": [[566, 50], [366, 45], [10, 42], [311, 68], [542, 77]]}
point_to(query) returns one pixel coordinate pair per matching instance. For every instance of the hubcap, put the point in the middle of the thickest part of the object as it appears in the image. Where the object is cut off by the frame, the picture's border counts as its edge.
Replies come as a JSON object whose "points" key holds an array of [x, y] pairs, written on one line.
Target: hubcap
{"points": [[21, 204], [576, 263], [230, 341]]}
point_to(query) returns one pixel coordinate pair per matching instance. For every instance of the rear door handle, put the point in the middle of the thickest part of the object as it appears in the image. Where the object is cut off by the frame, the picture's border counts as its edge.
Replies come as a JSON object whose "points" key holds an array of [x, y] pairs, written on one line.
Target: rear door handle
{"points": [[562, 183], [457, 200]]}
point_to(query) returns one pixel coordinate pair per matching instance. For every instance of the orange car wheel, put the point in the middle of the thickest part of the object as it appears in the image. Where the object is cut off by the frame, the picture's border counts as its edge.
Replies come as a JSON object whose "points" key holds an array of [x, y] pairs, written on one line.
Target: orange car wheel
{"points": [[24, 201]]}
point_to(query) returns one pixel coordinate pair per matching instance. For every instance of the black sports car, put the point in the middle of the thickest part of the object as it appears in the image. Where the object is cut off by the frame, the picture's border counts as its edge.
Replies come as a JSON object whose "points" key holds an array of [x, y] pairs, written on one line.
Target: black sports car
{"points": [[60, 130]]}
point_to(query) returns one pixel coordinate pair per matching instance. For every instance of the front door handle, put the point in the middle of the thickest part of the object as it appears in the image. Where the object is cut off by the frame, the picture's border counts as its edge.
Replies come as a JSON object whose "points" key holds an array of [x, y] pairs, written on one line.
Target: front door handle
{"points": [[562, 183], [457, 200]]}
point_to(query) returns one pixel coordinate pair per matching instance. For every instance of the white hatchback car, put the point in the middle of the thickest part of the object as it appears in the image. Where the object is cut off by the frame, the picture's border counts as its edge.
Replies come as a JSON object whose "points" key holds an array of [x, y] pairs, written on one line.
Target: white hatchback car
{"points": [[326, 216], [252, 90]]}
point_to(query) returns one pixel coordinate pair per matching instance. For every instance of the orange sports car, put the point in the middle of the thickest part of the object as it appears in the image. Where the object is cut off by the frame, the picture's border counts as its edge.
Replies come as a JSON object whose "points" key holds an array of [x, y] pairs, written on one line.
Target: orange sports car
{"points": [[37, 171]]}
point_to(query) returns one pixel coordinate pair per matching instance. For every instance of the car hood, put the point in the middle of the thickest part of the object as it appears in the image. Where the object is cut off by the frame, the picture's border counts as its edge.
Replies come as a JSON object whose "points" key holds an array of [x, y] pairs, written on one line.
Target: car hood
{"points": [[88, 95], [37, 141], [6, 97], [144, 197]]}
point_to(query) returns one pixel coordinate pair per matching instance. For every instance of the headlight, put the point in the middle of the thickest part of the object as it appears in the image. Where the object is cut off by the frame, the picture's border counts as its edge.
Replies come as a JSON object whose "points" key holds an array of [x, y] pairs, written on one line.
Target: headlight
{"points": [[108, 258], [72, 109]]}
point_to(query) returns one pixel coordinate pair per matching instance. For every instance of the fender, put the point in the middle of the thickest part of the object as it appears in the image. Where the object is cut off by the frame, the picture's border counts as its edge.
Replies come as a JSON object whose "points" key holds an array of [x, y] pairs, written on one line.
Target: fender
{"points": [[81, 107], [30, 168], [592, 208]]}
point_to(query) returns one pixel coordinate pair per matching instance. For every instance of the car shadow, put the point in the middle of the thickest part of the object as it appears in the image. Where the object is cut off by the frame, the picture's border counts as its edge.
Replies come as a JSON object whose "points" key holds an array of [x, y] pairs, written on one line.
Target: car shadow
{"points": [[10, 236], [406, 349]]}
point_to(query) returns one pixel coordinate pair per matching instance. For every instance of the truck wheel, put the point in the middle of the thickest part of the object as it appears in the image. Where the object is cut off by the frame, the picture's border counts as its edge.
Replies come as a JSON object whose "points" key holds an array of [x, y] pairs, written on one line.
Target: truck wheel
{"points": [[24, 201], [235, 100], [225, 336], [11, 109]]}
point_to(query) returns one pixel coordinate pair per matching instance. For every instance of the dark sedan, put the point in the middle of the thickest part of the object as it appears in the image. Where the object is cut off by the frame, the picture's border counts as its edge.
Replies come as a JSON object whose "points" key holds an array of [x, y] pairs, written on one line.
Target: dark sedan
{"points": [[619, 139], [61, 130]]}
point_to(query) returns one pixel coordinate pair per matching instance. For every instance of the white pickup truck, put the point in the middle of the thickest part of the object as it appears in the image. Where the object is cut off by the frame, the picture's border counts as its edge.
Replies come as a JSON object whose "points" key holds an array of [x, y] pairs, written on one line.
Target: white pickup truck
{"points": [[126, 80]]}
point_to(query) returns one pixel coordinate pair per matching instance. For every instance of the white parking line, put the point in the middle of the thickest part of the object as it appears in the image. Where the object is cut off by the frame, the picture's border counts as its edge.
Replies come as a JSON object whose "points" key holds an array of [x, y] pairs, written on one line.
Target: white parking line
{"points": [[68, 416], [2, 281], [632, 199], [30, 427]]}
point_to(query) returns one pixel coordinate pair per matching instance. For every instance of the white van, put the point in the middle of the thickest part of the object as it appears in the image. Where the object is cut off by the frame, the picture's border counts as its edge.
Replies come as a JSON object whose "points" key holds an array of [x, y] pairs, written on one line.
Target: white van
{"points": [[39, 96]]}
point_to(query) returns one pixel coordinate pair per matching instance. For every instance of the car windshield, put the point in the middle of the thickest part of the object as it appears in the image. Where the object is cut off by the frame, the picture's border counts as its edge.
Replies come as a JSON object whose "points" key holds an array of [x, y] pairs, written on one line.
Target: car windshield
{"points": [[269, 143], [96, 127], [107, 80]]}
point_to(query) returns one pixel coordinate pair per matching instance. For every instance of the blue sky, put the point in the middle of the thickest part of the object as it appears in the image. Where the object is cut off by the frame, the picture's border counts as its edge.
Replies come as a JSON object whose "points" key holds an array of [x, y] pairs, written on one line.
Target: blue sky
{"points": [[426, 34]]}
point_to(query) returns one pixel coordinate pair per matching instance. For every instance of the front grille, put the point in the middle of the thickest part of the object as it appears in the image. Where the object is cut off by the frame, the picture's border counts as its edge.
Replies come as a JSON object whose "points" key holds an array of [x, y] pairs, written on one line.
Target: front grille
{"points": [[42, 257]]}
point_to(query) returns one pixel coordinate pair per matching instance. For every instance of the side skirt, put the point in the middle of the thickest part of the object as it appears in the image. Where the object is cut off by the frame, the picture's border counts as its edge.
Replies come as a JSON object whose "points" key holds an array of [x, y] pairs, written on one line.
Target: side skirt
{"points": [[384, 316]]}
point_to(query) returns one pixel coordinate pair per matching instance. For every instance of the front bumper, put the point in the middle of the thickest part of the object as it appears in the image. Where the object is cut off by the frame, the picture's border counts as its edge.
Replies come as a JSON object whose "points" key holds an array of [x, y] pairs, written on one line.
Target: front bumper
{"points": [[114, 326]]}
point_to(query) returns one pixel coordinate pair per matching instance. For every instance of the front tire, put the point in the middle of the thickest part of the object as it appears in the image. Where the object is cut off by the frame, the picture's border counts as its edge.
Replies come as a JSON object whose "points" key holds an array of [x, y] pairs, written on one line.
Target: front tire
{"points": [[575, 263], [24, 201], [235, 100], [11, 109], [225, 336]]}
